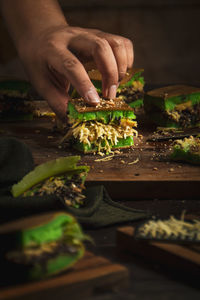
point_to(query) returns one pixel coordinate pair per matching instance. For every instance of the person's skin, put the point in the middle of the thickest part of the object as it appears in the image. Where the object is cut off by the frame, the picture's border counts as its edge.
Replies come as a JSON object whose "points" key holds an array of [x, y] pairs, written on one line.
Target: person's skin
{"points": [[53, 52]]}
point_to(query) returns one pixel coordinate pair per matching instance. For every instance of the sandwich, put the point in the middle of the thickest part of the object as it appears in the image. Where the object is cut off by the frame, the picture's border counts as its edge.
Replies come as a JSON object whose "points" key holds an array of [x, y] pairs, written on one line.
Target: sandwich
{"points": [[20, 102], [15, 96], [187, 150], [131, 88], [176, 106], [60, 177], [109, 125], [40, 246]]}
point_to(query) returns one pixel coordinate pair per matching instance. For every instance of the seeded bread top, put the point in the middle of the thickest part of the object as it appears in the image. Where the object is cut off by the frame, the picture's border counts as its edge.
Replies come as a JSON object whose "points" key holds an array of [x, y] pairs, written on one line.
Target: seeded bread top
{"points": [[104, 105]]}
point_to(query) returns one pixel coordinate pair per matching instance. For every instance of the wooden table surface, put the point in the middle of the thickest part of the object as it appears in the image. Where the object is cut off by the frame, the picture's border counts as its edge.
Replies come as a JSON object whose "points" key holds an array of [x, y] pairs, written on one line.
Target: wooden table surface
{"points": [[142, 172], [162, 191]]}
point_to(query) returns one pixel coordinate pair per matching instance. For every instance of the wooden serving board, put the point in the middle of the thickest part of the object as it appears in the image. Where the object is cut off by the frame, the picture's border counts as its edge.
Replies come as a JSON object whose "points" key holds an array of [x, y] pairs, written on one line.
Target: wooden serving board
{"points": [[141, 172], [90, 274], [173, 256]]}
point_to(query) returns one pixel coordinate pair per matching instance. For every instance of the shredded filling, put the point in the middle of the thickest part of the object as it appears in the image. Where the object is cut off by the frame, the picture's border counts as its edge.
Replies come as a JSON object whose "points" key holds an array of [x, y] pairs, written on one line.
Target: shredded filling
{"points": [[185, 115], [42, 253], [67, 189], [132, 93], [190, 144], [103, 136], [171, 228]]}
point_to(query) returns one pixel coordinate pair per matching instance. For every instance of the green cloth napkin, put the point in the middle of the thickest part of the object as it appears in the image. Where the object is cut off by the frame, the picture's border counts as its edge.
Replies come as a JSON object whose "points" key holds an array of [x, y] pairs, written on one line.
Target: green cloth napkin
{"points": [[16, 161]]}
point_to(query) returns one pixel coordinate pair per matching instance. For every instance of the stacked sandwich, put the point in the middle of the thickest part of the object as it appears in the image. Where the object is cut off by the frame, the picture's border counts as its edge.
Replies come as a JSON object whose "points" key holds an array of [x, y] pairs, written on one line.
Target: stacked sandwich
{"points": [[175, 106], [130, 89], [187, 150], [39, 246], [15, 96], [111, 124], [101, 129]]}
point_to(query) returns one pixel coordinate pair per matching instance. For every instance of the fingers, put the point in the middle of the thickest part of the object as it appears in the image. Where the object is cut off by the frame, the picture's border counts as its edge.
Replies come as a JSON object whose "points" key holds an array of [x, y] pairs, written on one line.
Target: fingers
{"points": [[119, 51], [123, 52], [106, 63], [65, 63], [129, 52], [103, 56], [112, 54]]}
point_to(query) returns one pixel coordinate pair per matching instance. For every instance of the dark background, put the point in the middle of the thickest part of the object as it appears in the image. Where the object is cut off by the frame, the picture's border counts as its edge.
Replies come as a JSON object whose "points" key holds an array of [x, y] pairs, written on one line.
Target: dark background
{"points": [[165, 34]]}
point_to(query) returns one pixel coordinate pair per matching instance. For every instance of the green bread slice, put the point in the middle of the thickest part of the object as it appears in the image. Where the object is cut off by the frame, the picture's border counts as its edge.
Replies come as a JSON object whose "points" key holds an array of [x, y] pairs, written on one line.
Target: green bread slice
{"points": [[59, 166], [173, 106], [41, 246], [85, 148], [187, 150]]}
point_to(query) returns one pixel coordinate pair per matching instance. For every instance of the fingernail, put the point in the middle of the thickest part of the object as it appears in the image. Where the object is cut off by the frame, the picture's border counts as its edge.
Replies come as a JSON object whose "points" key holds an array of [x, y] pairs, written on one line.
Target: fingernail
{"points": [[112, 92], [92, 97]]}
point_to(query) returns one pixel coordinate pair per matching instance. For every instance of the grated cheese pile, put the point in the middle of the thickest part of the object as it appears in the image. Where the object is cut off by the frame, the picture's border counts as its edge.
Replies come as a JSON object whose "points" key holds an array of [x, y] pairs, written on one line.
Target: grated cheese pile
{"points": [[171, 228], [104, 136]]}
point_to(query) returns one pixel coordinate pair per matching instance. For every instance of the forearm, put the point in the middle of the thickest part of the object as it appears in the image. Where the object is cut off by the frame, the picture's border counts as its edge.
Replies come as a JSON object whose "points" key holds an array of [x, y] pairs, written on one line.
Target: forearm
{"points": [[27, 19]]}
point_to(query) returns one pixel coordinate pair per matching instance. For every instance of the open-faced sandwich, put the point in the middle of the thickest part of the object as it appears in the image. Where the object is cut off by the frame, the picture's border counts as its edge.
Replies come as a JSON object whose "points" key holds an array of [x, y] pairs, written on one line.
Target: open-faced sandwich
{"points": [[61, 177], [187, 150], [100, 129], [175, 106], [37, 247]]}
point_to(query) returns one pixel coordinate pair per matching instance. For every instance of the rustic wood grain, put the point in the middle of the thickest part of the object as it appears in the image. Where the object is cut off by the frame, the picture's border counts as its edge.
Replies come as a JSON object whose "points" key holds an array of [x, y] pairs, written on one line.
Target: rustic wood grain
{"points": [[174, 256], [90, 273], [141, 172]]}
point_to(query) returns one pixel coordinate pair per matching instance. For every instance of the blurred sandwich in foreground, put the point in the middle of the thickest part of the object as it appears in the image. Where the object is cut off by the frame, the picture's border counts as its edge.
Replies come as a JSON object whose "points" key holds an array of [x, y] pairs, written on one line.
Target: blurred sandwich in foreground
{"points": [[39, 246]]}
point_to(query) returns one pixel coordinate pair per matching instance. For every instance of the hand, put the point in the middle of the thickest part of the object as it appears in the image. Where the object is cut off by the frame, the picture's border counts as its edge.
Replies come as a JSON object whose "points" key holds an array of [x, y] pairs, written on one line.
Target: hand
{"points": [[55, 60]]}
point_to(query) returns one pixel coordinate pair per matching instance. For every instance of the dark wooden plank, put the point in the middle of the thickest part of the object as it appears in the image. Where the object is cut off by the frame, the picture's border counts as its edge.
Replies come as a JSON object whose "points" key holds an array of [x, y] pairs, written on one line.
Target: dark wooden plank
{"points": [[145, 167], [90, 273], [172, 256]]}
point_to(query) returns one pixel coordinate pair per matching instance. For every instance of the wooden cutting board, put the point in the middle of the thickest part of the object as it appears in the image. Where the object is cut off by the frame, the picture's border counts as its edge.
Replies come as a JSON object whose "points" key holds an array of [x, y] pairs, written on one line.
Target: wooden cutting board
{"points": [[142, 172], [173, 256], [92, 273]]}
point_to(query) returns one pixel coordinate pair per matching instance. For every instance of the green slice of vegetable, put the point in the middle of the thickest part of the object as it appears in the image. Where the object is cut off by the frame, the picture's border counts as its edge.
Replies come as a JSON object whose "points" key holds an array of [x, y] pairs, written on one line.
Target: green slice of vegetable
{"points": [[51, 168]]}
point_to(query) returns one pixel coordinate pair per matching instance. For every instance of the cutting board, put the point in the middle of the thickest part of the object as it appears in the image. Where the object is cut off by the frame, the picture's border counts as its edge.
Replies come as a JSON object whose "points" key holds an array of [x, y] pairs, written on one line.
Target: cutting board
{"points": [[92, 273], [141, 172], [173, 256]]}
